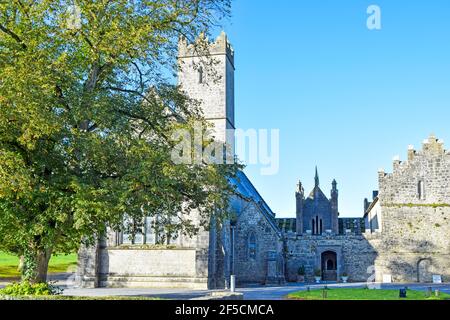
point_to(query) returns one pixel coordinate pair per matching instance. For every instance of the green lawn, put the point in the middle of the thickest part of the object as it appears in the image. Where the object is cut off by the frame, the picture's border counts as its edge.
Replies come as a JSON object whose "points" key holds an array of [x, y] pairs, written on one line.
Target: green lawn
{"points": [[364, 294], [58, 263], [59, 297]]}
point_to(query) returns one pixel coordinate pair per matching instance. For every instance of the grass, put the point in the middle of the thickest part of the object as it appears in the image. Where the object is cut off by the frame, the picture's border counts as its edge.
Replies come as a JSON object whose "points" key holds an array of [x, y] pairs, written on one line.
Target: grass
{"points": [[58, 263], [364, 294], [59, 297]]}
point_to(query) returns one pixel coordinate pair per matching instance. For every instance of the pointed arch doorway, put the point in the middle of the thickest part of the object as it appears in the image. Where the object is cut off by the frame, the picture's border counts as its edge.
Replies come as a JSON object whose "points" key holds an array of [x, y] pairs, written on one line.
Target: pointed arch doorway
{"points": [[329, 266]]}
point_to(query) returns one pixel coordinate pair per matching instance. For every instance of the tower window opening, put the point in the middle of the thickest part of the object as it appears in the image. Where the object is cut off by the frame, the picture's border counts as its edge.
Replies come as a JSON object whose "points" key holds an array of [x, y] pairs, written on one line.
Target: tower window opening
{"points": [[200, 75], [421, 190]]}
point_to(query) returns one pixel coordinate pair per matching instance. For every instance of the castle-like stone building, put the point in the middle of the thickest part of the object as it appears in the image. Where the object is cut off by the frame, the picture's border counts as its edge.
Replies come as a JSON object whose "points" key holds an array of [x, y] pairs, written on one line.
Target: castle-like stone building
{"points": [[316, 214], [402, 236], [411, 215]]}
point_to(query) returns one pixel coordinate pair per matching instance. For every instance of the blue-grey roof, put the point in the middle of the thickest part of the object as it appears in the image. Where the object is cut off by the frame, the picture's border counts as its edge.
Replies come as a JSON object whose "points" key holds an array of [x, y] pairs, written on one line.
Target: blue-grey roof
{"points": [[248, 190]]}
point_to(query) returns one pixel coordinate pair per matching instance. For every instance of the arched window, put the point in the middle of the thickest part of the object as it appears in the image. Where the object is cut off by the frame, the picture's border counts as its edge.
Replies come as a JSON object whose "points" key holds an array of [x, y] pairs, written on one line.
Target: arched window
{"points": [[252, 246], [320, 230], [421, 190], [313, 226]]}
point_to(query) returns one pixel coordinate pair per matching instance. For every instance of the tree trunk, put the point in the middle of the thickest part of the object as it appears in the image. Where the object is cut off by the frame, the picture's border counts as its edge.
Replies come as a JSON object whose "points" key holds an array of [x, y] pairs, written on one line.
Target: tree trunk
{"points": [[35, 265], [42, 266]]}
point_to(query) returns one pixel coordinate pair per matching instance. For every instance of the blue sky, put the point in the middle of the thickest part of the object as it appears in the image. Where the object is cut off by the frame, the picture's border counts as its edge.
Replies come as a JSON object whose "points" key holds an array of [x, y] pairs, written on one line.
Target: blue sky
{"points": [[345, 98]]}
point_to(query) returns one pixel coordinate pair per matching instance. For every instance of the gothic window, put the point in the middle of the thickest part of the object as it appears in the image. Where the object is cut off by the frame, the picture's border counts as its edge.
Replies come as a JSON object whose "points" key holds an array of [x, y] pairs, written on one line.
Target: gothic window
{"points": [[320, 230], [313, 223], [252, 246], [150, 235], [150, 230], [132, 232], [421, 190]]}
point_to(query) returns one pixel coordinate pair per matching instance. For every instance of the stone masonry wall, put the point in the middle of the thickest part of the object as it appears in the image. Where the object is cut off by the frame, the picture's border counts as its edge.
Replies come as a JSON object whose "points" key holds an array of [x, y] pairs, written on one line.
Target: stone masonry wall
{"points": [[355, 254], [150, 268], [411, 235], [415, 208], [268, 243]]}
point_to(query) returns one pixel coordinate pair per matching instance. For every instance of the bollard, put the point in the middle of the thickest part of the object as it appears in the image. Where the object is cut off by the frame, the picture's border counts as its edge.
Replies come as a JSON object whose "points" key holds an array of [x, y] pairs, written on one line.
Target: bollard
{"points": [[233, 283]]}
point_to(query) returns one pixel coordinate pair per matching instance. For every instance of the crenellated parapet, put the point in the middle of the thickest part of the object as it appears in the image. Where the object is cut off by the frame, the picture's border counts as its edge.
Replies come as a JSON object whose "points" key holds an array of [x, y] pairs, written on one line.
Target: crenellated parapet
{"points": [[412, 215], [423, 178], [203, 46]]}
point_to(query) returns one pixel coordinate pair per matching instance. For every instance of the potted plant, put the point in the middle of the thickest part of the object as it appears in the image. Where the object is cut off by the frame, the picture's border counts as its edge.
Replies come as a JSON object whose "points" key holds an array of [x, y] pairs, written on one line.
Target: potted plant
{"points": [[344, 277], [318, 275], [301, 274]]}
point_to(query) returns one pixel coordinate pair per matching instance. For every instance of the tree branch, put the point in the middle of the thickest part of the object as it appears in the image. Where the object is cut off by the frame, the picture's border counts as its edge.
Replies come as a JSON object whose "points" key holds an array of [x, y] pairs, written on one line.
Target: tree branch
{"points": [[60, 96], [13, 35]]}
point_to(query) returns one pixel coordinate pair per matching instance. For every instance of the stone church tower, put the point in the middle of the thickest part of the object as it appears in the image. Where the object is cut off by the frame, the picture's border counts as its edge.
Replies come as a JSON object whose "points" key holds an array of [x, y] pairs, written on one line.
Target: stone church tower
{"points": [[206, 75], [210, 81]]}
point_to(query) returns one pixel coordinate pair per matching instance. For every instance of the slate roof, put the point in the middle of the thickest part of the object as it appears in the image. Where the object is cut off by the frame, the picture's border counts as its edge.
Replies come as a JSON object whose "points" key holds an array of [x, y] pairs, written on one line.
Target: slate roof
{"points": [[247, 190], [319, 192]]}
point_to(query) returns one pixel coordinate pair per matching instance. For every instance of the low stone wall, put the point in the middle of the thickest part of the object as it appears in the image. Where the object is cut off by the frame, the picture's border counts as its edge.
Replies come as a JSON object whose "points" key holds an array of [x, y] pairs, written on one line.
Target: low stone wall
{"points": [[175, 268]]}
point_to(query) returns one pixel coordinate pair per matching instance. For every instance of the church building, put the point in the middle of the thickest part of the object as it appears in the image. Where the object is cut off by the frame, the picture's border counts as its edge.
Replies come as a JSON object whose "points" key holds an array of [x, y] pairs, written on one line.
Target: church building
{"points": [[402, 235]]}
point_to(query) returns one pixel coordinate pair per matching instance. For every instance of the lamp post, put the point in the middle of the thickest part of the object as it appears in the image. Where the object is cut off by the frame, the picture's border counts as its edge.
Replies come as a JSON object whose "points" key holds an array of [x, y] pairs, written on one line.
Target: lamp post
{"points": [[232, 275]]}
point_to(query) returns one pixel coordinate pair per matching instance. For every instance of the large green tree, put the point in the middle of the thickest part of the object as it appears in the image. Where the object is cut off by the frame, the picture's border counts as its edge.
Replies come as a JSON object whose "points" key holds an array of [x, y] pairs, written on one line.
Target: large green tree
{"points": [[87, 110]]}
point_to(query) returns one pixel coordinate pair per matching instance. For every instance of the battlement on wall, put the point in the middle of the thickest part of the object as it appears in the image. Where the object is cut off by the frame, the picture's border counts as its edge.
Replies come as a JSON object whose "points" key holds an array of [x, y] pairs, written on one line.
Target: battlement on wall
{"points": [[424, 178], [202, 46], [431, 148]]}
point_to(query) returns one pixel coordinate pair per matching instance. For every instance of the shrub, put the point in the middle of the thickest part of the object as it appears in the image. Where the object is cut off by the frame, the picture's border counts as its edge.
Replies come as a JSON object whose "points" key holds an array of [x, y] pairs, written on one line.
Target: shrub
{"points": [[301, 270], [344, 274], [26, 288], [318, 272]]}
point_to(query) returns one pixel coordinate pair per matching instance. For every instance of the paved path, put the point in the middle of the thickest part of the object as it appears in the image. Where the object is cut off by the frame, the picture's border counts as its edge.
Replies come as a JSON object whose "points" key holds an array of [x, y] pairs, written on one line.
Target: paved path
{"points": [[255, 292], [250, 293], [177, 294]]}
